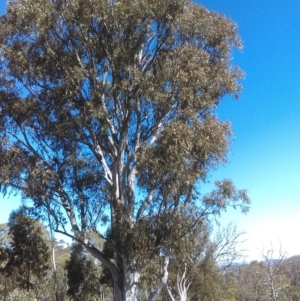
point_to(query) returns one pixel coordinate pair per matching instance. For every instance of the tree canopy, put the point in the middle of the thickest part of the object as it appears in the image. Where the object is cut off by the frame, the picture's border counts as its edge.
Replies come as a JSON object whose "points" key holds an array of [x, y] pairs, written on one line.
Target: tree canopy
{"points": [[107, 118], [28, 252]]}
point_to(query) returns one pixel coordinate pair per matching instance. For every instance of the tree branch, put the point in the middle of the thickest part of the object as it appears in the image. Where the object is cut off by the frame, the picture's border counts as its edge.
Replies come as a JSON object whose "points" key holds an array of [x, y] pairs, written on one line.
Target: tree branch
{"points": [[163, 281]]}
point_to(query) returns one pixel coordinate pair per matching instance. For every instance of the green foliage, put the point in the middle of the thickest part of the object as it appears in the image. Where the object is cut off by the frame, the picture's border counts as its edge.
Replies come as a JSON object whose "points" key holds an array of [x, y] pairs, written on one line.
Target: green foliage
{"points": [[83, 276], [291, 269], [102, 99], [62, 255], [253, 281], [25, 261], [75, 269], [203, 273], [28, 253], [20, 295]]}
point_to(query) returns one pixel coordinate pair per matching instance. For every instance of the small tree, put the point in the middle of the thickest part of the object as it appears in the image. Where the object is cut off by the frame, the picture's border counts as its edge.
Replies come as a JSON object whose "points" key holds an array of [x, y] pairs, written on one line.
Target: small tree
{"points": [[83, 276], [107, 115], [62, 255], [291, 269], [274, 272], [28, 253], [251, 281], [227, 243]]}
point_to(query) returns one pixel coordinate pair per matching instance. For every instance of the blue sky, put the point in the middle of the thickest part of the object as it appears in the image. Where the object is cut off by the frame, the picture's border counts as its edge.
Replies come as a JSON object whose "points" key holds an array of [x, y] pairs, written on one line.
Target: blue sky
{"points": [[265, 153]]}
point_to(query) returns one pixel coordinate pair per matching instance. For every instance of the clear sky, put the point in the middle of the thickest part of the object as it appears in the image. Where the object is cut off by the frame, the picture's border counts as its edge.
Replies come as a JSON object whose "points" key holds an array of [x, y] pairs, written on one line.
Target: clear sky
{"points": [[265, 153]]}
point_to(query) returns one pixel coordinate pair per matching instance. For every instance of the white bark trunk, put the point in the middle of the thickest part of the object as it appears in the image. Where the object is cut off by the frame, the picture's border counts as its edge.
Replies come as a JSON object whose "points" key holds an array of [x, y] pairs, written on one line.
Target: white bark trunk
{"points": [[129, 289], [132, 283], [182, 287]]}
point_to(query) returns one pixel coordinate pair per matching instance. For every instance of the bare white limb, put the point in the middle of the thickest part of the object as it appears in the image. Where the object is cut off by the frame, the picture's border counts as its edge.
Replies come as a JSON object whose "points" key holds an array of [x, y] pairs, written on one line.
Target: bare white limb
{"points": [[144, 205], [273, 271], [107, 172], [228, 243], [182, 287]]}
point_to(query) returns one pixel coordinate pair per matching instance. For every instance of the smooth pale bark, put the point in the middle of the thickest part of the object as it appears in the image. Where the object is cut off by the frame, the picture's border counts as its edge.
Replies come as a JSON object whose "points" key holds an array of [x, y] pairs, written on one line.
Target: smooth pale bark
{"points": [[53, 262], [126, 285], [132, 282], [112, 104], [182, 287], [127, 288]]}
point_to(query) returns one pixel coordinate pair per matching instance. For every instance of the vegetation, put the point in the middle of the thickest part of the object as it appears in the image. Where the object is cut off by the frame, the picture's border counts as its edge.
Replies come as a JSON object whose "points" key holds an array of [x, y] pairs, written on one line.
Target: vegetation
{"points": [[84, 277], [192, 274], [27, 255], [107, 124]]}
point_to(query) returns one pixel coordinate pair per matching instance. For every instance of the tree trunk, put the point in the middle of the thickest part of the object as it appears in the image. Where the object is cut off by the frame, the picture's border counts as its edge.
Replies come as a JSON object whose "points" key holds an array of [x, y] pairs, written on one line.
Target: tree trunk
{"points": [[132, 283], [127, 289], [127, 280], [55, 290]]}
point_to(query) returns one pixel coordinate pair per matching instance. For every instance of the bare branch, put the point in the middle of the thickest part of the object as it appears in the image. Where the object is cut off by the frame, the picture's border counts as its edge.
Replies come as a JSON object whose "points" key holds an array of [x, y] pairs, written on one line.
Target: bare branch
{"points": [[227, 242]]}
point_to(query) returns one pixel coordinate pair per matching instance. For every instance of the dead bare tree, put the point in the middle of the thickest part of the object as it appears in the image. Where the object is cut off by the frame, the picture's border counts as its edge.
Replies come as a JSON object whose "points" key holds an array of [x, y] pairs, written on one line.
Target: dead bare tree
{"points": [[182, 287], [274, 271], [228, 241]]}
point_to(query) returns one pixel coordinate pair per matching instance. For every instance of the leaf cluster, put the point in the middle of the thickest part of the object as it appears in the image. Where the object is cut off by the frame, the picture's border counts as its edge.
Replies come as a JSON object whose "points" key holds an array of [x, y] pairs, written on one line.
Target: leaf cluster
{"points": [[27, 255], [102, 99]]}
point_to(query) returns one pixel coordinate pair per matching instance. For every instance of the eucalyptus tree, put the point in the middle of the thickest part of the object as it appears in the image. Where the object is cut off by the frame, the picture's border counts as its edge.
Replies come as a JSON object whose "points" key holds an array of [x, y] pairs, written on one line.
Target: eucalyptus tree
{"points": [[107, 116]]}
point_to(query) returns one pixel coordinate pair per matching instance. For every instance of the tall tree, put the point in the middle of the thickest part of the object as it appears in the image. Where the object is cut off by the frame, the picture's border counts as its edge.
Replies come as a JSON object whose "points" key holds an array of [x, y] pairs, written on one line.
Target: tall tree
{"points": [[107, 116]]}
